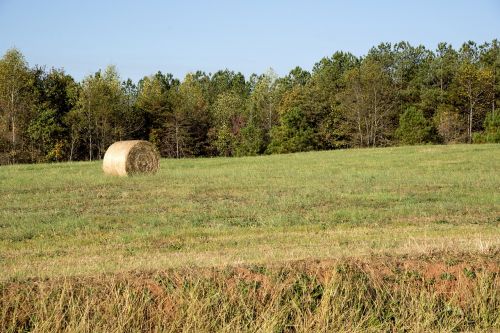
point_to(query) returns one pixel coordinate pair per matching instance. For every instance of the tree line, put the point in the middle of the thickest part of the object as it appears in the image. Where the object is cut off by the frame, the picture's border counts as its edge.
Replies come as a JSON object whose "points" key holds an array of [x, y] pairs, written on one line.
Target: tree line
{"points": [[397, 94]]}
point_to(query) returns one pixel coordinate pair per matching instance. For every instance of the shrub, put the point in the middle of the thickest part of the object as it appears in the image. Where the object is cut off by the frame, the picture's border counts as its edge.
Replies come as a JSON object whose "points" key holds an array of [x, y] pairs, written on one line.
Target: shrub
{"points": [[413, 127]]}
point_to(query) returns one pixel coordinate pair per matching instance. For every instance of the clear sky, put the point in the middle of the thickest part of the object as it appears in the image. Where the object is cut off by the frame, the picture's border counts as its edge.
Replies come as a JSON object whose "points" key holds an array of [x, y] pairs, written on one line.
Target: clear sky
{"points": [[142, 37]]}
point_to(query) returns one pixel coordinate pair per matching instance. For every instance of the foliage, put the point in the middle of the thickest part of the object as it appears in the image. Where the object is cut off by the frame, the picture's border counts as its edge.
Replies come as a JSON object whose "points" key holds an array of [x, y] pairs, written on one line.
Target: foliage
{"points": [[369, 105], [293, 135], [449, 95], [413, 127], [474, 86], [491, 132], [15, 104]]}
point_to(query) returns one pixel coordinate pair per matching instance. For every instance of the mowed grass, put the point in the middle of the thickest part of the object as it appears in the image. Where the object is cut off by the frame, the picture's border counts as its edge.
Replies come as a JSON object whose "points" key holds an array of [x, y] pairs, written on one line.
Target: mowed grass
{"points": [[71, 219]]}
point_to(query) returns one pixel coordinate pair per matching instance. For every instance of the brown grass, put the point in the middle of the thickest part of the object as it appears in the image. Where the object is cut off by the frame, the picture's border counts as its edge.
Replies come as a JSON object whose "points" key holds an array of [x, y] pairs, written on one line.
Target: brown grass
{"points": [[439, 292]]}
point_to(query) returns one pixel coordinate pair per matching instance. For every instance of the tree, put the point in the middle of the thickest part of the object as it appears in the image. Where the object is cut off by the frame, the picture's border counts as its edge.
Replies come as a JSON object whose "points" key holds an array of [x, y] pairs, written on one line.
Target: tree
{"points": [[134, 118], [101, 108], [251, 140], [55, 95], [262, 108], [322, 105], [492, 128], [187, 124], [413, 127], [225, 81], [297, 76], [75, 124], [153, 100], [397, 93], [449, 124], [475, 86], [368, 105], [410, 68], [15, 99], [293, 135], [229, 119], [490, 58], [444, 68], [435, 79]]}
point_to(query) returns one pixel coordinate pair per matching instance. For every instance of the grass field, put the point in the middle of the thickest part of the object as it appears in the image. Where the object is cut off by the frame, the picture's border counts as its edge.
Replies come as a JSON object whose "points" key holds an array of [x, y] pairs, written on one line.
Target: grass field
{"points": [[70, 222]]}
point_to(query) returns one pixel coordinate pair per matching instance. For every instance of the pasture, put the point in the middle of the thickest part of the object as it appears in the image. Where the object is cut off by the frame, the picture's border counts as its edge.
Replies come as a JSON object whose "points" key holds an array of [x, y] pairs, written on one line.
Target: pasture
{"points": [[386, 207]]}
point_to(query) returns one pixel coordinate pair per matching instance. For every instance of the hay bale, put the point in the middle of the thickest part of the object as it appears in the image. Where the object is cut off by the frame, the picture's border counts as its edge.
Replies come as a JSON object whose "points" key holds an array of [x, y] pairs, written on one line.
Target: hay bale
{"points": [[125, 158]]}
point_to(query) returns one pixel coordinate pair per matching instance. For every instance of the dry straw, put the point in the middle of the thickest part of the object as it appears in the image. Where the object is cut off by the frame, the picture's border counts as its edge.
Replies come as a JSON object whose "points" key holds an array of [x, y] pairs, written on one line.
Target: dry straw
{"points": [[125, 158]]}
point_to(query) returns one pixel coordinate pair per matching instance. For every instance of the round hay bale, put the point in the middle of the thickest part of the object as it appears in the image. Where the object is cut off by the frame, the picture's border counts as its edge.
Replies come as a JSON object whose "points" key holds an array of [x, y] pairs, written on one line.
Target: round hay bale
{"points": [[131, 157]]}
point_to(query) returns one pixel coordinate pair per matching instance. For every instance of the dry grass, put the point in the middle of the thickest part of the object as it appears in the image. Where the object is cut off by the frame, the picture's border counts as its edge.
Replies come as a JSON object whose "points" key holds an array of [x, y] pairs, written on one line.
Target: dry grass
{"points": [[209, 248], [441, 292]]}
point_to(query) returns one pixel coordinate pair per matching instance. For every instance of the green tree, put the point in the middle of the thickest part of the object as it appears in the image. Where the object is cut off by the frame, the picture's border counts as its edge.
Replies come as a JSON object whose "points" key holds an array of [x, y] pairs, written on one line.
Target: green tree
{"points": [[56, 94], [101, 107], [153, 101], [444, 68], [75, 124], [227, 81], [491, 128], [229, 119], [15, 100], [251, 140], [409, 70], [436, 77], [293, 135], [368, 105], [134, 118], [490, 58], [323, 105], [187, 124], [474, 85], [262, 111], [413, 127], [297, 76]]}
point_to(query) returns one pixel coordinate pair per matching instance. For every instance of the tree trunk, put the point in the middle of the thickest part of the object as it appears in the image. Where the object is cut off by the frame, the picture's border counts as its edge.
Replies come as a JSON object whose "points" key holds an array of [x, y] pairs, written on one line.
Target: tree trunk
{"points": [[13, 119], [269, 125], [441, 80], [89, 130], [71, 149], [375, 121], [494, 98], [358, 113], [471, 106], [90, 146], [360, 130], [367, 129], [13, 123], [176, 138], [470, 124]]}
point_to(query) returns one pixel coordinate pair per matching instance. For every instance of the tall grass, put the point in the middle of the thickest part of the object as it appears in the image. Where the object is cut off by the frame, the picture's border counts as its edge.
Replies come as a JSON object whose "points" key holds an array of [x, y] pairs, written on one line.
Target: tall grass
{"points": [[437, 293]]}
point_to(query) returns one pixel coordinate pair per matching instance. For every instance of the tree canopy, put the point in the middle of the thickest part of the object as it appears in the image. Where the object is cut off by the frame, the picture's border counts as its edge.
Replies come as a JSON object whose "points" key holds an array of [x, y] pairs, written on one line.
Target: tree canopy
{"points": [[395, 94]]}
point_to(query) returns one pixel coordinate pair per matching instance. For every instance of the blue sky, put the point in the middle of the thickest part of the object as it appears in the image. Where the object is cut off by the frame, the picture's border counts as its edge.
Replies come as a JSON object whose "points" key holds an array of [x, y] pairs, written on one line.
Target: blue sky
{"points": [[142, 37]]}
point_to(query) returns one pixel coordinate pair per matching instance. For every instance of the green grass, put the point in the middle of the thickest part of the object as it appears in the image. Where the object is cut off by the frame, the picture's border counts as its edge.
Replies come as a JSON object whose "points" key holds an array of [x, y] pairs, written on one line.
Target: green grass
{"points": [[71, 219], [394, 239]]}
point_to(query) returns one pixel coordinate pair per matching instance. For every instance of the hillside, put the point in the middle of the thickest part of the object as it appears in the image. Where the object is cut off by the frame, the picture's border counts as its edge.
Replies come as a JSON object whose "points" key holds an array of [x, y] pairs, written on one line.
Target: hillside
{"points": [[69, 218], [393, 239]]}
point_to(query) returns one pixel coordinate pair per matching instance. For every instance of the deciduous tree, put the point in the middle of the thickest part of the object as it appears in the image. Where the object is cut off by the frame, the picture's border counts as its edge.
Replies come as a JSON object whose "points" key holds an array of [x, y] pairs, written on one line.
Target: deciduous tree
{"points": [[15, 100]]}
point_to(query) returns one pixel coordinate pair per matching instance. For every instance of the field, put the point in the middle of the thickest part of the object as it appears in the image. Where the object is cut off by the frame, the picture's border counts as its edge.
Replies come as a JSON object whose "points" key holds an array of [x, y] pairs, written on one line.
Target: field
{"points": [[221, 240]]}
